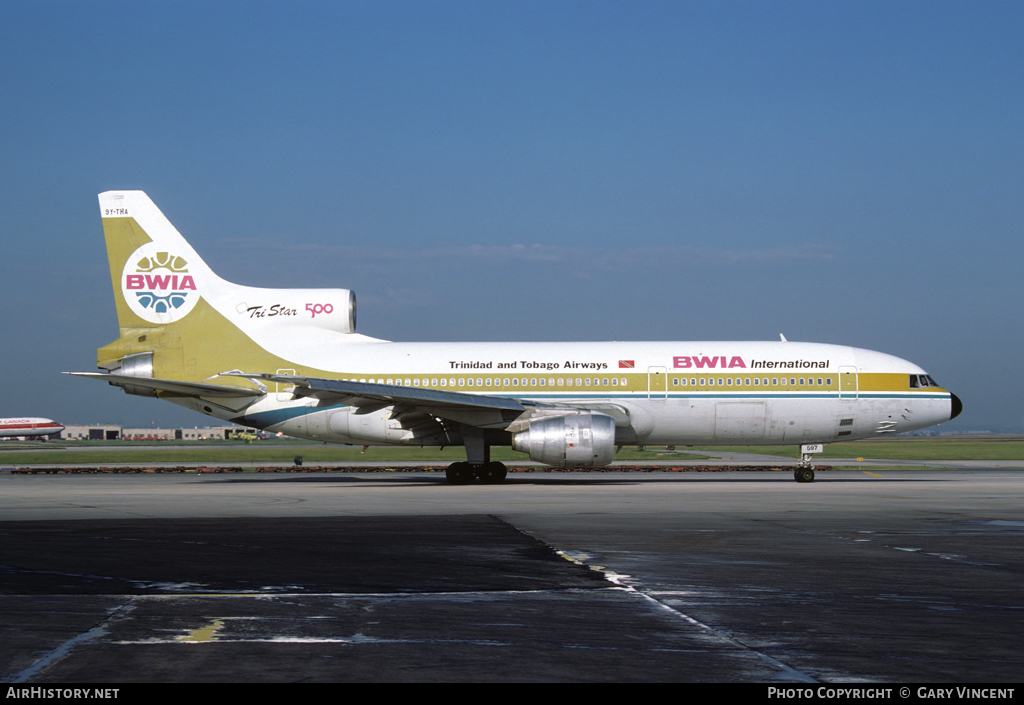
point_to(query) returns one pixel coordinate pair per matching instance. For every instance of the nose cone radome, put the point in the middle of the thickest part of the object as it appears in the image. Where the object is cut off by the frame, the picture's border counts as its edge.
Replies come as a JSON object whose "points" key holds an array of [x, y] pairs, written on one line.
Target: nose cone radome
{"points": [[955, 406]]}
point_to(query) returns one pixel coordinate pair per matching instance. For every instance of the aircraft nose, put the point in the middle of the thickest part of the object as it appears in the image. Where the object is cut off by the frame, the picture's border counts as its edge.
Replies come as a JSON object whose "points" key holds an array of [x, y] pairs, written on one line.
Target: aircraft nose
{"points": [[955, 406]]}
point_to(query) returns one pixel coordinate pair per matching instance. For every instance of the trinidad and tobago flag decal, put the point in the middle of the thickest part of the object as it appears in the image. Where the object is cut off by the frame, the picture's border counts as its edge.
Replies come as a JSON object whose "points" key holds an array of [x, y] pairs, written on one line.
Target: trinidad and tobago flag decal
{"points": [[626, 364]]}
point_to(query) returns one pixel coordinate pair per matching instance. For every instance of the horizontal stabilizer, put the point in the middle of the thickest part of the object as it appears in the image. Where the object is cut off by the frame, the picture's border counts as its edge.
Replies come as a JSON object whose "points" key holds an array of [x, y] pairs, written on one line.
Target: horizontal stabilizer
{"points": [[170, 386]]}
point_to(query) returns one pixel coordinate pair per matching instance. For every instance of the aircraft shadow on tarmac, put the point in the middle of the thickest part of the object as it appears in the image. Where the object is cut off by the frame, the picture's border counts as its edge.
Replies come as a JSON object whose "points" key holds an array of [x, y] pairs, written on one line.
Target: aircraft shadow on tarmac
{"points": [[274, 554], [402, 479]]}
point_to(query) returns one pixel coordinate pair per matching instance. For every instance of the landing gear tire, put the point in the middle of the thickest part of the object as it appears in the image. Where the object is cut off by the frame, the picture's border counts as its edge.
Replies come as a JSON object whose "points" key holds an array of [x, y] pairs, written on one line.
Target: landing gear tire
{"points": [[492, 473], [459, 474], [804, 475]]}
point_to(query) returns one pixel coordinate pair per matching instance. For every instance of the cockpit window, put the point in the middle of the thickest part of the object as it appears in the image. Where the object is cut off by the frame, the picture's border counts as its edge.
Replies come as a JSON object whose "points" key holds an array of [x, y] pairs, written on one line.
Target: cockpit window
{"points": [[918, 381]]}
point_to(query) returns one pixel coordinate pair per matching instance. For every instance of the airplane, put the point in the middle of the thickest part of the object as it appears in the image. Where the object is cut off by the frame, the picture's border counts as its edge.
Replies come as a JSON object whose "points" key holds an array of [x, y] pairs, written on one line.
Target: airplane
{"points": [[29, 427], [289, 361]]}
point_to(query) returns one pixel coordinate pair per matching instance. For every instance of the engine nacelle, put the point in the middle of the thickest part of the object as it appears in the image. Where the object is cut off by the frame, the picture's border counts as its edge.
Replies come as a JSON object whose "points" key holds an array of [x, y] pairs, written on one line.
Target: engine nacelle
{"points": [[574, 441]]}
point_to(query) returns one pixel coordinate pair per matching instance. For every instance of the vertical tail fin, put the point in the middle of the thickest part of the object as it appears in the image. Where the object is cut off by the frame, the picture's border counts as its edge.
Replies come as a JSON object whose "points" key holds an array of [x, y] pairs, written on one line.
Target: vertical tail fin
{"points": [[156, 275], [179, 320]]}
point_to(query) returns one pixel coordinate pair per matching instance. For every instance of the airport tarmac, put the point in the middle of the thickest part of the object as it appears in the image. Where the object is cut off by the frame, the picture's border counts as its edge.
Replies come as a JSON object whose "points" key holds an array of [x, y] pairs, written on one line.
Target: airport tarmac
{"points": [[887, 576]]}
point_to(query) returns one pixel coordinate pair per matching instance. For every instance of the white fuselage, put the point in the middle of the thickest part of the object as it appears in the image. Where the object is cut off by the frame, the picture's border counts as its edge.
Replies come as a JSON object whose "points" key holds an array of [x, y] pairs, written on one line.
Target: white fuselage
{"points": [[746, 393], [27, 427]]}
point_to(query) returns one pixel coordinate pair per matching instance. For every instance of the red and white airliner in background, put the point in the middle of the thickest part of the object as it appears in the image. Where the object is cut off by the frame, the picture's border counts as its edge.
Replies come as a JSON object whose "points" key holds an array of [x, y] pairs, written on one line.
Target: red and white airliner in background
{"points": [[29, 427]]}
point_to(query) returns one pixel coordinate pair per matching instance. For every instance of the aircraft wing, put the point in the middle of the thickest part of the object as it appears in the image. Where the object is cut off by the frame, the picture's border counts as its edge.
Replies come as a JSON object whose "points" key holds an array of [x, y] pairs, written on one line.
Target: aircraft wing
{"points": [[473, 409], [479, 410]]}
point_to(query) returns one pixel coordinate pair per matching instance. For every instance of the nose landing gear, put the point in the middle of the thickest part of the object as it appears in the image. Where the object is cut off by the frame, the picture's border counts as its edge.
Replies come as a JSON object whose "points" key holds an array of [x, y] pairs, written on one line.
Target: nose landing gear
{"points": [[804, 469], [804, 474]]}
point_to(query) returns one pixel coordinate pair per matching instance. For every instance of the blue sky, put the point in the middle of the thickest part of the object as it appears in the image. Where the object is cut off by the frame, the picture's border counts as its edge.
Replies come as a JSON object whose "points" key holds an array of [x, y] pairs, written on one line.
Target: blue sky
{"points": [[847, 173]]}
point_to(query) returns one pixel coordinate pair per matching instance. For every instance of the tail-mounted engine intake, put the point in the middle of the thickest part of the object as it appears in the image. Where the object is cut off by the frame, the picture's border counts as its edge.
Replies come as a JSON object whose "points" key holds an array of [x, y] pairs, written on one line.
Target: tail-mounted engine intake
{"points": [[575, 441]]}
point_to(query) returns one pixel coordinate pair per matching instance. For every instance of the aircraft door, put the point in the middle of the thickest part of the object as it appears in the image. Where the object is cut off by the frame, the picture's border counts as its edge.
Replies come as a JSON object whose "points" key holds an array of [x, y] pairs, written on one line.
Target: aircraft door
{"points": [[847, 382], [657, 382]]}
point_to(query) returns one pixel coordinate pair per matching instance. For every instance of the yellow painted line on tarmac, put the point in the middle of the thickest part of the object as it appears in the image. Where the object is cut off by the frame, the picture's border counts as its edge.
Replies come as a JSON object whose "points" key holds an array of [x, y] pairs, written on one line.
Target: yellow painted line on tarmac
{"points": [[206, 633], [873, 474]]}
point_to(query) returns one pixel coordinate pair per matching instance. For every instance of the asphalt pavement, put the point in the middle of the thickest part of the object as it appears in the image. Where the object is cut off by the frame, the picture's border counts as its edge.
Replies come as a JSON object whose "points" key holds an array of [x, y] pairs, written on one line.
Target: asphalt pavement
{"points": [[861, 576]]}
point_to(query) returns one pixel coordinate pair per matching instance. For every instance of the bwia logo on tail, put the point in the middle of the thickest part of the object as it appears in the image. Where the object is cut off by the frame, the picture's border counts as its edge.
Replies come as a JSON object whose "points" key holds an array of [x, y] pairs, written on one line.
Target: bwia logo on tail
{"points": [[157, 285]]}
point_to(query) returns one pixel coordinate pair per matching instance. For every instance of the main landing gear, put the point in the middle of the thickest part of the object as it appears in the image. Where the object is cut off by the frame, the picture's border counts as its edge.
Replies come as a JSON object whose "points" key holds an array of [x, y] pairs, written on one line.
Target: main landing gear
{"points": [[479, 467], [464, 473]]}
